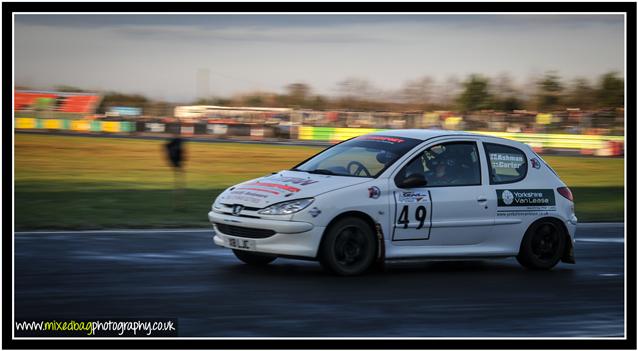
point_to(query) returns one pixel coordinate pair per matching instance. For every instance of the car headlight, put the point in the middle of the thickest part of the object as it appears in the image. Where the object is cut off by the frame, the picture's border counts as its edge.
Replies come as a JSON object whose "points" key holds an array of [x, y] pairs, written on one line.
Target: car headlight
{"points": [[217, 203], [288, 207]]}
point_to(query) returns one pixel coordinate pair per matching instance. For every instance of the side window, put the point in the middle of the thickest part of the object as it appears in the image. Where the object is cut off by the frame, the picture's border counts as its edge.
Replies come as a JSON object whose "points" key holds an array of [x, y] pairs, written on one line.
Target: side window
{"points": [[448, 164], [507, 164]]}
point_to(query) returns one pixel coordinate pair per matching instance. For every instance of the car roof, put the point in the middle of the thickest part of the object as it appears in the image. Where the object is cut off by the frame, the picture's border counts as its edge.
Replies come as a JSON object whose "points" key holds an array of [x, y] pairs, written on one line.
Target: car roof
{"points": [[421, 134], [425, 134]]}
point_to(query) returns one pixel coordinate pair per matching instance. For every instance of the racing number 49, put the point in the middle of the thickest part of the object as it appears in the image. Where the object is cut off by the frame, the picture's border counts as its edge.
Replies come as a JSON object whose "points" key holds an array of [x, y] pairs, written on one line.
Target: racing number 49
{"points": [[420, 215]]}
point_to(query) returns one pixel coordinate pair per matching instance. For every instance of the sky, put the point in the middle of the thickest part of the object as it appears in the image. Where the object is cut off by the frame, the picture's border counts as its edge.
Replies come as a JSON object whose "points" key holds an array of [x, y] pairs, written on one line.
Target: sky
{"points": [[162, 56]]}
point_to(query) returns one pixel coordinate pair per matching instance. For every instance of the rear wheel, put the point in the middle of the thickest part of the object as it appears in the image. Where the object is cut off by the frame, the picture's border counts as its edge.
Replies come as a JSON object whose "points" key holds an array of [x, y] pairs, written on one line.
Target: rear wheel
{"points": [[348, 247], [254, 258], [542, 246]]}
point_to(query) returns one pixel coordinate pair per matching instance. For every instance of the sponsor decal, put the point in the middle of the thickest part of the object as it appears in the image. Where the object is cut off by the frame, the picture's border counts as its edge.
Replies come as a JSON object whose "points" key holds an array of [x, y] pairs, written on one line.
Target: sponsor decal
{"points": [[413, 197], [535, 163], [521, 213], [530, 199], [507, 197], [244, 197], [384, 139], [314, 212], [293, 180], [277, 186], [374, 192], [412, 216], [298, 181], [260, 190], [501, 160]]}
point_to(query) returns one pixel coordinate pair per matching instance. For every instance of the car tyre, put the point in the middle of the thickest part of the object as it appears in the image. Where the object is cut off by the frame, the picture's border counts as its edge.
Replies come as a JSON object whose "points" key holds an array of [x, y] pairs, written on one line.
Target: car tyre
{"points": [[348, 247], [254, 258], [542, 245]]}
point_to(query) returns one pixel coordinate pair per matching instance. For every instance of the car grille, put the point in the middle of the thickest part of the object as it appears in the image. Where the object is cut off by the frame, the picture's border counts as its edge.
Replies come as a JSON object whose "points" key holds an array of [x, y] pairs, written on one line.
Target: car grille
{"points": [[246, 208], [244, 232]]}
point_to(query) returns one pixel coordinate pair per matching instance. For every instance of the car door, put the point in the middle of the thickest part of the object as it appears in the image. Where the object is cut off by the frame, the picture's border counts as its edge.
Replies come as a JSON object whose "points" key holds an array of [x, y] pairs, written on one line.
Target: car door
{"points": [[454, 207], [521, 199]]}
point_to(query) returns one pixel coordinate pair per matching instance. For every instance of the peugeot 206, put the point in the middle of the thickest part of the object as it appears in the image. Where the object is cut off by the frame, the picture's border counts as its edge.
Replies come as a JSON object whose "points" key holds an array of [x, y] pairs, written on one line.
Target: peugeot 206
{"points": [[402, 194]]}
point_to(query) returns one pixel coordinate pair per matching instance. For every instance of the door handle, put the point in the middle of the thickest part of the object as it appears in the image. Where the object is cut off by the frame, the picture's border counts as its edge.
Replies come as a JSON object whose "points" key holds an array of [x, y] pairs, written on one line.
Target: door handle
{"points": [[481, 199]]}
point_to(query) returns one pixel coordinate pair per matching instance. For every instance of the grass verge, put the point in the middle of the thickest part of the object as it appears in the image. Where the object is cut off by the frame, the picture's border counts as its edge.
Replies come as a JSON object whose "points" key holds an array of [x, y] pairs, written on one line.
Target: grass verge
{"points": [[66, 182]]}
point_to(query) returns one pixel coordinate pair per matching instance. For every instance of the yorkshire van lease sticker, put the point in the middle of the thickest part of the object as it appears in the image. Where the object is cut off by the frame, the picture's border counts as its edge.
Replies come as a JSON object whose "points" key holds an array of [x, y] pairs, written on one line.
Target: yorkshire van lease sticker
{"points": [[525, 199]]}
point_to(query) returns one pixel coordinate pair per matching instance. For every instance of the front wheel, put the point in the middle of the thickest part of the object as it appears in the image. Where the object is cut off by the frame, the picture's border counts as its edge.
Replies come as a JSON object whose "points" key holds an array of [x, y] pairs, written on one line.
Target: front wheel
{"points": [[254, 258], [348, 247], [542, 245]]}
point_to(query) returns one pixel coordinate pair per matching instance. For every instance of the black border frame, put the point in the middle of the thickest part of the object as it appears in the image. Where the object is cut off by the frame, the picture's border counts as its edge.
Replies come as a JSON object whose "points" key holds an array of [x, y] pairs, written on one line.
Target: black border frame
{"points": [[630, 155]]}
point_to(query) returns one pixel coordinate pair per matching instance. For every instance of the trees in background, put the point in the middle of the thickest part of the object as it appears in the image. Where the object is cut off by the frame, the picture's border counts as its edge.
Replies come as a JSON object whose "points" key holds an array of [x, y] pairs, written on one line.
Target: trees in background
{"points": [[581, 94], [611, 91], [69, 89], [476, 92], [550, 89], [419, 92], [481, 93], [111, 99], [475, 95]]}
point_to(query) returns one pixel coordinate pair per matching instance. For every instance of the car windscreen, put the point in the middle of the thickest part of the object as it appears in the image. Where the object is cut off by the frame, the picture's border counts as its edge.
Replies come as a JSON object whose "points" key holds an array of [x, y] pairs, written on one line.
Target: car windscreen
{"points": [[364, 156]]}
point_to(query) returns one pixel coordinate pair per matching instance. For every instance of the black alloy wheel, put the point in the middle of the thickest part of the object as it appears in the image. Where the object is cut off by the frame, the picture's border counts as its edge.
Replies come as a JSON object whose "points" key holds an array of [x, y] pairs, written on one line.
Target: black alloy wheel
{"points": [[542, 245], [348, 247]]}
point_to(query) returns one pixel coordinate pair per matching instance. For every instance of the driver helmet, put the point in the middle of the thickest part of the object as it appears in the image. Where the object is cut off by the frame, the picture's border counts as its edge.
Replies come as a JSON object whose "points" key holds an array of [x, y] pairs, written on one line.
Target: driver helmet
{"points": [[443, 158]]}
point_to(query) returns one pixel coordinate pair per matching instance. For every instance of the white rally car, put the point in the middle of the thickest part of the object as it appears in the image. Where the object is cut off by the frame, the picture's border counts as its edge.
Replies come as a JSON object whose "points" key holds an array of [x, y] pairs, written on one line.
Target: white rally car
{"points": [[403, 194]]}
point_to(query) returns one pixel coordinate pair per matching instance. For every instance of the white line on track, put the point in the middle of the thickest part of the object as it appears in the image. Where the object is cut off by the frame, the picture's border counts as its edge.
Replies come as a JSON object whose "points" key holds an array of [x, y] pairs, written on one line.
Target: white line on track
{"points": [[601, 240], [601, 225], [123, 231]]}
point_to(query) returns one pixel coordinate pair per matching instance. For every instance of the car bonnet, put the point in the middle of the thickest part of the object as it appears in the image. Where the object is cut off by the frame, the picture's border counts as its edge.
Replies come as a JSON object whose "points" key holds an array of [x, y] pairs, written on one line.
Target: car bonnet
{"points": [[284, 186]]}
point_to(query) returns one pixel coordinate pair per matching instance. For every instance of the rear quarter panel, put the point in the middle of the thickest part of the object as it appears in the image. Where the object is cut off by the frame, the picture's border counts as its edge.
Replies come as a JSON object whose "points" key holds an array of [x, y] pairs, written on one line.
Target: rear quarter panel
{"points": [[510, 227]]}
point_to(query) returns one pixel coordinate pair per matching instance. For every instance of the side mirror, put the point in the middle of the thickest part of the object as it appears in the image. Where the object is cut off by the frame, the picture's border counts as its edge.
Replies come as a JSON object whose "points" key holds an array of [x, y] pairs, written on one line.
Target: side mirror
{"points": [[413, 181]]}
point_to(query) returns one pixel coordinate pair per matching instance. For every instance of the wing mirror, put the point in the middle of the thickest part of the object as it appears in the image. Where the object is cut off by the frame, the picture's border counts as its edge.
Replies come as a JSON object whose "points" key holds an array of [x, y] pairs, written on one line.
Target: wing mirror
{"points": [[413, 181]]}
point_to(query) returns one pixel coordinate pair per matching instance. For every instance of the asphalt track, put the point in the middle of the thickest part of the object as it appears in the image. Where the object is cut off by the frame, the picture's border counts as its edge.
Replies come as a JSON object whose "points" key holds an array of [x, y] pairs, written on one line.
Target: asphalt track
{"points": [[182, 274]]}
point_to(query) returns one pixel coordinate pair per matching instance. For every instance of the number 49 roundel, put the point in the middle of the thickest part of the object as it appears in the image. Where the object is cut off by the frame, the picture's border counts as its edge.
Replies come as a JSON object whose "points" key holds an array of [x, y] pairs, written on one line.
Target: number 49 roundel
{"points": [[413, 216]]}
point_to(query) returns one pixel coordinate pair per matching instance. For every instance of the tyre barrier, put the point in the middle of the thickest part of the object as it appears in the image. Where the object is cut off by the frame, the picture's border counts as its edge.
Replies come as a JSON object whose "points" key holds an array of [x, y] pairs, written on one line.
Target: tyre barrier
{"points": [[612, 148], [255, 132], [81, 125]]}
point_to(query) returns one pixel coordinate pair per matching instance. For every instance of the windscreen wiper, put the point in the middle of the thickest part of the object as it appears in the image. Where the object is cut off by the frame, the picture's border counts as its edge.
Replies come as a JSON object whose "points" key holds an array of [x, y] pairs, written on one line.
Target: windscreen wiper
{"points": [[322, 171]]}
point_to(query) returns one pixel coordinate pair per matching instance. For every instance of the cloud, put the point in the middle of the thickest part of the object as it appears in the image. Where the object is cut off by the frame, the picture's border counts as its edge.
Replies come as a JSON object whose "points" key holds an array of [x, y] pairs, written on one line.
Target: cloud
{"points": [[159, 55], [247, 34]]}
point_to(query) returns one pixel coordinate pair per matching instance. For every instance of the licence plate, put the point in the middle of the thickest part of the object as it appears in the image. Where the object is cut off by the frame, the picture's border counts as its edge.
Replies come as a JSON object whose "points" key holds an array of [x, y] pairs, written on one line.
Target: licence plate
{"points": [[243, 244]]}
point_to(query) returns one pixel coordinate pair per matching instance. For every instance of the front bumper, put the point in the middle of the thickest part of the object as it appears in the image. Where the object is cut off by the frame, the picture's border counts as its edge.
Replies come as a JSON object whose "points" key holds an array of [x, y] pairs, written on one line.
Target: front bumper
{"points": [[291, 238]]}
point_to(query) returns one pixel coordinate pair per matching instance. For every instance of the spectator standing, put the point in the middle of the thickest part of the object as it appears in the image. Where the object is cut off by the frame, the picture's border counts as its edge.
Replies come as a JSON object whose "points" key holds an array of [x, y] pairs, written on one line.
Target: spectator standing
{"points": [[176, 156]]}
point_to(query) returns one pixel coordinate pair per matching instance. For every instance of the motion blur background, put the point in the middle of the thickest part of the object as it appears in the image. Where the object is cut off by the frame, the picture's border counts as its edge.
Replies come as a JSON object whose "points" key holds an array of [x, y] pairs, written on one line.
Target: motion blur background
{"points": [[286, 86]]}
